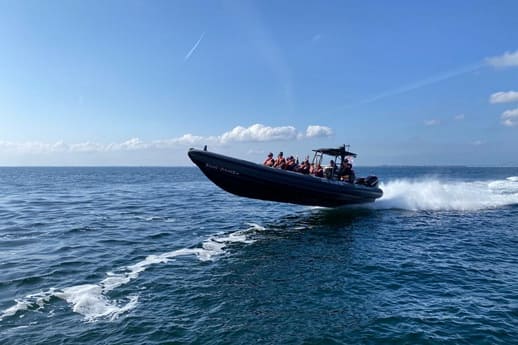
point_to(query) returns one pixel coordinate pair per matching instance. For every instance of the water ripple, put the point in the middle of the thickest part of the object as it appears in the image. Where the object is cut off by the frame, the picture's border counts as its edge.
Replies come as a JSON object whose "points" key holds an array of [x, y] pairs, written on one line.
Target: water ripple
{"points": [[157, 255]]}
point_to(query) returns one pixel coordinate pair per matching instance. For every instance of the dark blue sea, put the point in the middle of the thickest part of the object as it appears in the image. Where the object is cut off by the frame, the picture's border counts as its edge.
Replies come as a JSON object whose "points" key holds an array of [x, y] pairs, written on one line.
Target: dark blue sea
{"points": [[163, 256]]}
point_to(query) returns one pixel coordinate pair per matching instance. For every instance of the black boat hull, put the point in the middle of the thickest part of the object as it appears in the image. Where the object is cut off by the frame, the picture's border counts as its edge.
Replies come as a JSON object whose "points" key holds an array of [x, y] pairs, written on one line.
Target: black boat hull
{"points": [[256, 181]]}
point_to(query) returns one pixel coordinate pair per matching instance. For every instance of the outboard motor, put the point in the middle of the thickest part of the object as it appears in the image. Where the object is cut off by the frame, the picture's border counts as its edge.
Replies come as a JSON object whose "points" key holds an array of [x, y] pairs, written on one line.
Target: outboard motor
{"points": [[371, 181]]}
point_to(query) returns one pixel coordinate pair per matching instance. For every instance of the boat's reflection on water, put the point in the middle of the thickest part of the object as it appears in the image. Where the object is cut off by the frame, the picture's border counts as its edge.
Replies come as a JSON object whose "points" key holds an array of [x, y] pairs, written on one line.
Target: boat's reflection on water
{"points": [[309, 236], [339, 217], [324, 221]]}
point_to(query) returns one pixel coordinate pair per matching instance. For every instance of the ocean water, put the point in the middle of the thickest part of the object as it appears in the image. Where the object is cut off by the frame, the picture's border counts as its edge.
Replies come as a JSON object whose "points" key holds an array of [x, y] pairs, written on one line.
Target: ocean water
{"points": [[162, 256]]}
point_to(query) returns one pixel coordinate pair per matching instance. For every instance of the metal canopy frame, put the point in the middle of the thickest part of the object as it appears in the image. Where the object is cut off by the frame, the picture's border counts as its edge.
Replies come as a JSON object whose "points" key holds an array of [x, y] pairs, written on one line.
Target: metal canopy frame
{"points": [[339, 155]]}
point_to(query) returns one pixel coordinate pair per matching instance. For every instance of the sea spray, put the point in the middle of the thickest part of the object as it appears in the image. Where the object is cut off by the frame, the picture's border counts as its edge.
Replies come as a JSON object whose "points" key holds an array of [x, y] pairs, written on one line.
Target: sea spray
{"points": [[434, 194]]}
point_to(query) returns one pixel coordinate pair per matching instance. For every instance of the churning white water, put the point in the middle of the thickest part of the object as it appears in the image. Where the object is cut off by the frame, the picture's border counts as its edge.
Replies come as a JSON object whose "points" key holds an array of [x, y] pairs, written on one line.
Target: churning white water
{"points": [[434, 194]]}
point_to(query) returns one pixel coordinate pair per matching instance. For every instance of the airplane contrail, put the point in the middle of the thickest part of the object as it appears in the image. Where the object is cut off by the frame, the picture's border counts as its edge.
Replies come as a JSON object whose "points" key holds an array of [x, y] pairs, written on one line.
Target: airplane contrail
{"points": [[425, 82], [418, 84], [193, 49]]}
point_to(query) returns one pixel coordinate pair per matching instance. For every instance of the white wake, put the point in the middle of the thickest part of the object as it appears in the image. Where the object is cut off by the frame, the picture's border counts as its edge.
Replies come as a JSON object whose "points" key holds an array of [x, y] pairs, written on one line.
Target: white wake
{"points": [[434, 194], [91, 300]]}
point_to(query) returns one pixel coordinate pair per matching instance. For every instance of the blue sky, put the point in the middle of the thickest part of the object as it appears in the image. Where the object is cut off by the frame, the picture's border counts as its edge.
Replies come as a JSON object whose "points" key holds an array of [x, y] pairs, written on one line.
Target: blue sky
{"points": [[139, 82]]}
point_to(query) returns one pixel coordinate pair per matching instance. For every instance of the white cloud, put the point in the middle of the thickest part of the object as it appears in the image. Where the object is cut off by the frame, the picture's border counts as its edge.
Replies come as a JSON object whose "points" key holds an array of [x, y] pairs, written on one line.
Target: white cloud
{"points": [[33, 147], [506, 60], [477, 142], [83, 147], [128, 145], [259, 132], [510, 117], [314, 131], [133, 144], [59, 146], [504, 97], [432, 122], [459, 117], [7, 145], [253, 133], [186, 139]]}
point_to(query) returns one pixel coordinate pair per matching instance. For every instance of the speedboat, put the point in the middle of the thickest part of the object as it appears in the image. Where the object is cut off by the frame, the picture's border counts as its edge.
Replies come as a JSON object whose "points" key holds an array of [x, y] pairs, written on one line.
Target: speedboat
{"points": [[257, 181]]}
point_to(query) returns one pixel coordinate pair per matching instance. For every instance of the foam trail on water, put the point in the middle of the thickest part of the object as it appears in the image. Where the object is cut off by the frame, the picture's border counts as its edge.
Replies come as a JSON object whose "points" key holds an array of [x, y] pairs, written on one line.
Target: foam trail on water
{"points": [[434, 194], [91, 301]]}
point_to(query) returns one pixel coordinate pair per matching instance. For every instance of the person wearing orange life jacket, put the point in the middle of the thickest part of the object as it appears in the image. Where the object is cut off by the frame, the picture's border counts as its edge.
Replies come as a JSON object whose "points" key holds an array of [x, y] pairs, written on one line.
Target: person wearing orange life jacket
{"points": [[269, 161], [280, 162]]}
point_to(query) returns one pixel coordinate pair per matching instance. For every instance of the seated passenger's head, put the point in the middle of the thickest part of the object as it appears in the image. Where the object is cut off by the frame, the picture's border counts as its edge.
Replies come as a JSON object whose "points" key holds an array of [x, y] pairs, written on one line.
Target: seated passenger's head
{"points": [[270, 155]]}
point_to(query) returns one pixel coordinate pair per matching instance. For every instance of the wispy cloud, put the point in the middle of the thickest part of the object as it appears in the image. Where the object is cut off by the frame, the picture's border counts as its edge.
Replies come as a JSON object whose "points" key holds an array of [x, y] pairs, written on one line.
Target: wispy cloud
{"points": [[194, 47], [60, 146], [508, 59], [253, 133], [459, 117], [432, 122], [504, 97], [184, 140], [510, 117]]}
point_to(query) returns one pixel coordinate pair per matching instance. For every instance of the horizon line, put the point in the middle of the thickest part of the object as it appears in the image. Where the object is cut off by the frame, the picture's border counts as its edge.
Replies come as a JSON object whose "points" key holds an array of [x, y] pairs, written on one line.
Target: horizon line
{"points": [[194, 166]]}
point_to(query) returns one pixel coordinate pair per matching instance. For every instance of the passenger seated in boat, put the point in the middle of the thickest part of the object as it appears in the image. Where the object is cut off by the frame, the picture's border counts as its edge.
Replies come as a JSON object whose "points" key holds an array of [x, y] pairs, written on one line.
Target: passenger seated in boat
{"points": [[347, 173], [318, 171], [290, 163], [280, 162], [343, 167], [269, 161], [352, 176], [333, 167], [304, 169]]}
